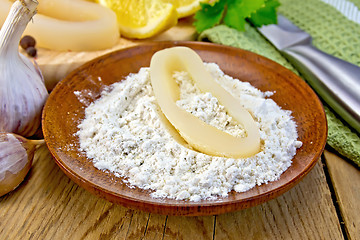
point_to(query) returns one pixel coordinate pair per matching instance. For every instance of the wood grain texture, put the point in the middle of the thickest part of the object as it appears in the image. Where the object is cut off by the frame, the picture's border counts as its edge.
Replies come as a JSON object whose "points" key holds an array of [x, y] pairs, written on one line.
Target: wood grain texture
{"points": [[184, 227], [345, 178], [48, 205]]}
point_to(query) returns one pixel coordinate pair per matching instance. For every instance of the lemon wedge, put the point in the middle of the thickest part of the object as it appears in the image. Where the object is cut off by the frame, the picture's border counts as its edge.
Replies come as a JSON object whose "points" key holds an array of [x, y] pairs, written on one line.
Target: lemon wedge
{"points": [[186, 8], [143, 18]]}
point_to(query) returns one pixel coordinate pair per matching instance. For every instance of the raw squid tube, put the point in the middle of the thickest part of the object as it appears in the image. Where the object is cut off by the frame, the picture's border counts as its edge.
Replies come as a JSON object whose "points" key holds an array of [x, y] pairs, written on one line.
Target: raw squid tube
{"points": [[200, 135], [70, 25]]}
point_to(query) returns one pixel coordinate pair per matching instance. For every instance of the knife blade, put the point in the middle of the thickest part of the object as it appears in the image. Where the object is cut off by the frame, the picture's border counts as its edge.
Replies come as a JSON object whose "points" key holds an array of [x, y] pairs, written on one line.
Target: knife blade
{"points": [[336, 81]]}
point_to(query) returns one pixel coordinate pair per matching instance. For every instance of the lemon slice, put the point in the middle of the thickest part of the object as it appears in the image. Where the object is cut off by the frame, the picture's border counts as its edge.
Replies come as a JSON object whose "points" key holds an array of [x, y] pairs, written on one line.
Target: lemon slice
{"points": [[186, 8], [144, 18]]}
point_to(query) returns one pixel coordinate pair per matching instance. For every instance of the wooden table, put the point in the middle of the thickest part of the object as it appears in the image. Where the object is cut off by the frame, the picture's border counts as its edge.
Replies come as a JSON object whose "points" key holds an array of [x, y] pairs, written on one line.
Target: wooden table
{"points": [[48, 205]]}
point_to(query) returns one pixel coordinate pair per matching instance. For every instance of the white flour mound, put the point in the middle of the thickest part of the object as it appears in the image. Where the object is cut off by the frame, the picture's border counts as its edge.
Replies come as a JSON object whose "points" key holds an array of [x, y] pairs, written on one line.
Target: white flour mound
{"points": [[123, 133]]}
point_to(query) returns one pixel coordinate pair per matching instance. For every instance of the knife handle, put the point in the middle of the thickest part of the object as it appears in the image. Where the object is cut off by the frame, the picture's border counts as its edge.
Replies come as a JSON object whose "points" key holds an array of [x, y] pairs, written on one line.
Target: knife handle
{"points": [[335, 80]]}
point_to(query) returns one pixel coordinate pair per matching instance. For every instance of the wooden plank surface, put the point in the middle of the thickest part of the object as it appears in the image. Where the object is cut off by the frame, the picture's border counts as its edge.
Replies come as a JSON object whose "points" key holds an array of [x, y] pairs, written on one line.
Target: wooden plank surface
{"points": [[48, 205], [345, 178]]}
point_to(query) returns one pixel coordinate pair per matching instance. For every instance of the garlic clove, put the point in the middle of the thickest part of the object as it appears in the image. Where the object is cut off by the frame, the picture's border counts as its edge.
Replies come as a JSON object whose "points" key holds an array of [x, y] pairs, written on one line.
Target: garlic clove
{"points": [[23, 92], [16, 156]]}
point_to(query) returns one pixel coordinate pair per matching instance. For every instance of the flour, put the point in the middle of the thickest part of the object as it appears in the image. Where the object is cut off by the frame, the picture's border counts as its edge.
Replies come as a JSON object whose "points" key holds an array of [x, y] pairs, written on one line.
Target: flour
{"points": [[123, 133]]}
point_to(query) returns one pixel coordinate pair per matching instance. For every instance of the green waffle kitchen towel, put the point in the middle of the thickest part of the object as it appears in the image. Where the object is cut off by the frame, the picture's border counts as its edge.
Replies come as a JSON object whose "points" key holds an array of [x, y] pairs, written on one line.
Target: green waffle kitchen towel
{"points": [[331, 32]]}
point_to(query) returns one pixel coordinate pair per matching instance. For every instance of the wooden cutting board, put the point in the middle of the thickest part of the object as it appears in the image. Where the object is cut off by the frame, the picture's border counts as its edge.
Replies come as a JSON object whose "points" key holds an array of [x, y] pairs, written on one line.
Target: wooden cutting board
{"points": [[56, 65]]}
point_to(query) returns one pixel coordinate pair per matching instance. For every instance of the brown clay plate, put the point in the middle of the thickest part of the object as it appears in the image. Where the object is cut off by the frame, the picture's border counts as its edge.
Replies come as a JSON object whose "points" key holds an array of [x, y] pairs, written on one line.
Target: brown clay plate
{"points": [[63, 112]]}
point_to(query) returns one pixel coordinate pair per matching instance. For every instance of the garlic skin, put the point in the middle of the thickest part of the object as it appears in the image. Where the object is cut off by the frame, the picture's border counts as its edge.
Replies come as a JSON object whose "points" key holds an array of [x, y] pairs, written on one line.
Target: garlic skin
{"points": [[16, 156], [22, 89]]}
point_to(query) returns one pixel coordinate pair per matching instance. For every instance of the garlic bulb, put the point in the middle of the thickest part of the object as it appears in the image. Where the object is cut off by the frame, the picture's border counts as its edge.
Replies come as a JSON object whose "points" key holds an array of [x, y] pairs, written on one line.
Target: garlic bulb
{"points": [[16, 156], [22, 89]]}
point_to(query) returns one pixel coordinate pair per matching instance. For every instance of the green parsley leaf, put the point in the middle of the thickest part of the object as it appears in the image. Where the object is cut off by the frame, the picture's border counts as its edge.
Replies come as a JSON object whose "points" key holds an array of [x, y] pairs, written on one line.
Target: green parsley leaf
{"points": [[239, 10], [209, 16], [265, 15], [234, 13]]}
